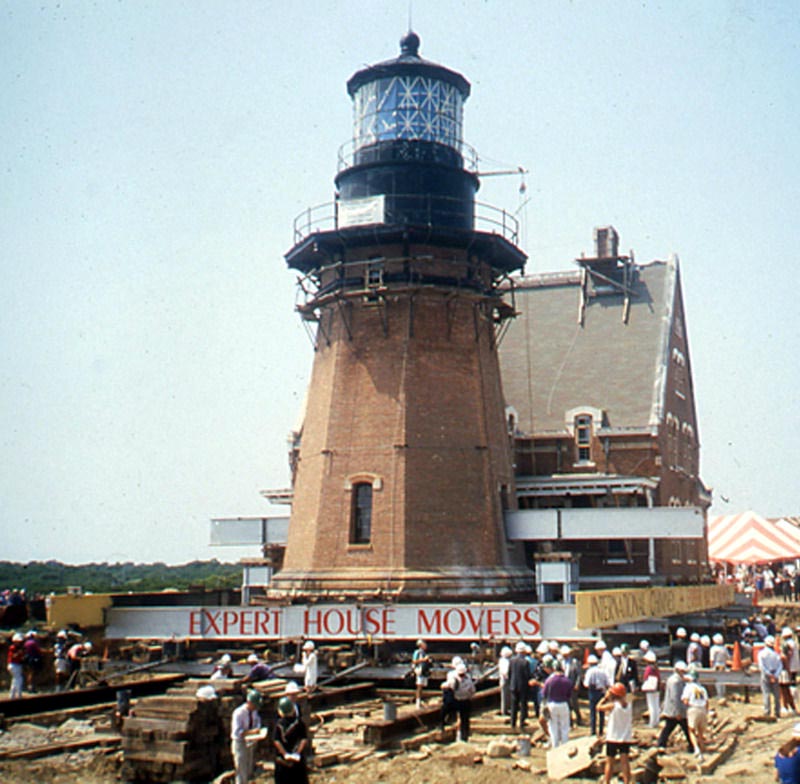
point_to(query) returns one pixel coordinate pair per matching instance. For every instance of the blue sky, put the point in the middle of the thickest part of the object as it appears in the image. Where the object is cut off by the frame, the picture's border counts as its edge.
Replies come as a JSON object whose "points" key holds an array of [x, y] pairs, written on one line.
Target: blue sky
{"points": [[153, 157]]}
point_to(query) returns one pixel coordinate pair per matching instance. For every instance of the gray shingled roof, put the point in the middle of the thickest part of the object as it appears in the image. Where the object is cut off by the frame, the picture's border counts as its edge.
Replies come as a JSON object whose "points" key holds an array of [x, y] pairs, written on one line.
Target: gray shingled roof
{"points": [[550, 364]]}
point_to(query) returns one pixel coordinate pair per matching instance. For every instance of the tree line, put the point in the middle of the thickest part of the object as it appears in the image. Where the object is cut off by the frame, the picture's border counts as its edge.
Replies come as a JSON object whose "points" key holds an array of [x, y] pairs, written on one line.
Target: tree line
{"points": [[43, 577]]}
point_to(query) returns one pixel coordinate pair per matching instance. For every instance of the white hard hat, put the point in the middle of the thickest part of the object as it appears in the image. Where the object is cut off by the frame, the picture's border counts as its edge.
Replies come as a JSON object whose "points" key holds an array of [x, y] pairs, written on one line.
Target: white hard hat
{"points": [[461, 668], [252, 659], [705, 640], [616, 652], [695, 637], [62, 634], [644, 645], [718, 639], [681, 665], [786, 632], [225, 659], [591, 659], [87, 646], [769, 641], [680, 632], [564, 649], [292, 688], [17, 637], [456, 660], [308, 645], [649, 656], [600, 645], [505, 651], [543, 647], [206, 693], [520, 647], [552, 645]]}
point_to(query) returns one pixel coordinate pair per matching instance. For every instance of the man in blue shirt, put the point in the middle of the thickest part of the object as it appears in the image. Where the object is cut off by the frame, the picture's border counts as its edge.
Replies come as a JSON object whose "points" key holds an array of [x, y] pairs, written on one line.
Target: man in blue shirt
{"points": [[787, 760], [259, 670]]}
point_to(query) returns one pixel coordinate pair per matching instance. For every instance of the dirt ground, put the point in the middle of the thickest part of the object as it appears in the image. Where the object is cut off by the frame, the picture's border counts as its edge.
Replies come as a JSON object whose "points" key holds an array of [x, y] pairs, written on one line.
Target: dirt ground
{"points": [[466, 763], [454, 763]]}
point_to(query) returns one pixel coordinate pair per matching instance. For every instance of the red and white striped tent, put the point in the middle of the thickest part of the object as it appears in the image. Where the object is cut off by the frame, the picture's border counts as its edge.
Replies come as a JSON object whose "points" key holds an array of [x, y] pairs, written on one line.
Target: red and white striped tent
{"points": [[750, 538]]}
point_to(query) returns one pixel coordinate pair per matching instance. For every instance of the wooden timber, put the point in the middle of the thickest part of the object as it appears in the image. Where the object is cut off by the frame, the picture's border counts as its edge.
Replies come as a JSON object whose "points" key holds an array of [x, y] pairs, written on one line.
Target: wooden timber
{"points": [[434, 736], [34, 704], [722, 755], [178, 736], [382, 732], [45, 750]]}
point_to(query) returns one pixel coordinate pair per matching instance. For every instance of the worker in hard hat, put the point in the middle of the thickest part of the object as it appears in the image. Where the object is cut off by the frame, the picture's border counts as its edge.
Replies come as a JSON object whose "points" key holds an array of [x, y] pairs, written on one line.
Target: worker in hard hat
{"points": [[259, 670], [619, 732], [421, 663], [308, 666], [291, 742], [60, 662], [75, 655], [245, 726], [15, 659], [223, 668]]}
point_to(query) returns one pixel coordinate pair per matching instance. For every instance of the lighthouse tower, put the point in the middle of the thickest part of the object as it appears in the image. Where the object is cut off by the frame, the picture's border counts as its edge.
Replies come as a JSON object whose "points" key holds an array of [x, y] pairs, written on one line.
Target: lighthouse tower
{"points": [[404, 468]]}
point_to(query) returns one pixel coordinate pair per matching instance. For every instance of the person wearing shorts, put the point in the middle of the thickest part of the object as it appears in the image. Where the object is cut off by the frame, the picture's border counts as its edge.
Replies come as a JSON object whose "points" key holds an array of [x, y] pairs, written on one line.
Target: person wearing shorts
{"points": [[421, 664], [619, 731], [695, 698]]}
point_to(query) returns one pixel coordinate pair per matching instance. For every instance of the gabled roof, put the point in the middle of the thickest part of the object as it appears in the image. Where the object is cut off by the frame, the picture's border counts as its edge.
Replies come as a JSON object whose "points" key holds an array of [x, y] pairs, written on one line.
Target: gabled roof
{"points": [[552, 363]]}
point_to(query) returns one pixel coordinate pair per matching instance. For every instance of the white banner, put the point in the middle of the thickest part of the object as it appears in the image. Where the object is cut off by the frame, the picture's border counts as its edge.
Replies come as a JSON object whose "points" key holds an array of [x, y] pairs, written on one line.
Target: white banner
{"points": [[328, 622], [360, 212]]}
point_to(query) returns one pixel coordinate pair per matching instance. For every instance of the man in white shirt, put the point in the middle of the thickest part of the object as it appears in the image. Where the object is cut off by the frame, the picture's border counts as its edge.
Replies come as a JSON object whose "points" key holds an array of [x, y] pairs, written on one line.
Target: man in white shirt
{"points": [[770, 665], [793, 653], [308, 667], [245, 724], [597, 683], [503, 671], [619, 735], [608, 664]]}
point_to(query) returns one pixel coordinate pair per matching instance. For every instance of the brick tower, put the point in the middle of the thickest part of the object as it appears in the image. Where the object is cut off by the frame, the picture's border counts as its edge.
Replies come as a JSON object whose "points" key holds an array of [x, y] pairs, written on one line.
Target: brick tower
{"points": [[404, 466]]}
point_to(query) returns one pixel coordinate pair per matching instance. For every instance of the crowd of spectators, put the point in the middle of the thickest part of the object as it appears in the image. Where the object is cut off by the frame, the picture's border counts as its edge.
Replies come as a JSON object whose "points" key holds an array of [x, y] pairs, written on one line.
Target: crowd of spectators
{"points": [[765, 581]]}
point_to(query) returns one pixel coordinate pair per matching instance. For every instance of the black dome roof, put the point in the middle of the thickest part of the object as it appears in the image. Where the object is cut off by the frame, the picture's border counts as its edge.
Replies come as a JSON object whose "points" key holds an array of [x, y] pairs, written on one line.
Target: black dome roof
{"points": [[409, 63]]}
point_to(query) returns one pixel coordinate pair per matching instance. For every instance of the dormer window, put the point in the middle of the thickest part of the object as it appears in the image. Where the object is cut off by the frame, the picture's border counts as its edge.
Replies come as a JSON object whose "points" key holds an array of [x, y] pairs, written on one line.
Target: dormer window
{"points": [[583, 438], [580, 423]]}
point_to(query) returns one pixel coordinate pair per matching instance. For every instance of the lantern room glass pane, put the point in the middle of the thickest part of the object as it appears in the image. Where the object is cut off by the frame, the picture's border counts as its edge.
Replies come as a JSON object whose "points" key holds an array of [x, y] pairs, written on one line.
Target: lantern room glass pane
{"points": [[408, 107]]}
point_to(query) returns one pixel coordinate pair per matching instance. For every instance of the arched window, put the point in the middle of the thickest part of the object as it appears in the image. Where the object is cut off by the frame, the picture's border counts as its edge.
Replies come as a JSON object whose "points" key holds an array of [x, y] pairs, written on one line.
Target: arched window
{"points": [[361, 513]]}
